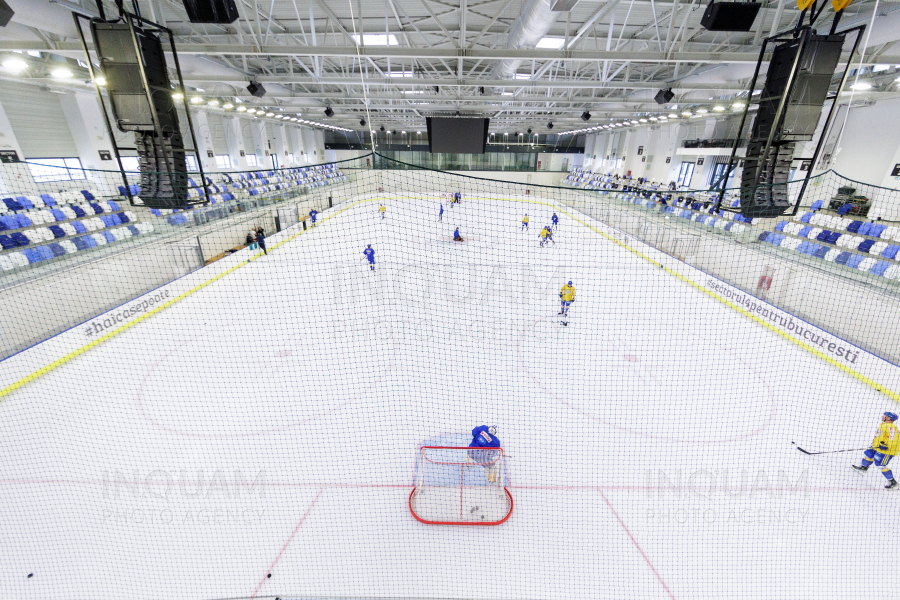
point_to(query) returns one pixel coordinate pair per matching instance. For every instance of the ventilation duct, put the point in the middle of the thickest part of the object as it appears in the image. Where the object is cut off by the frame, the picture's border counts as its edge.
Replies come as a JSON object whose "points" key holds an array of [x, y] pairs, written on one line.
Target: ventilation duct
{"points": [[533, 23]]}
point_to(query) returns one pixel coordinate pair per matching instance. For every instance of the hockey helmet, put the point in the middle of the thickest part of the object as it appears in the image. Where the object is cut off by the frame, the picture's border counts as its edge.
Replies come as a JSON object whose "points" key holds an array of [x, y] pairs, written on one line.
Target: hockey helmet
{"points": [[891, 416], [570, 283], [492, 430]]}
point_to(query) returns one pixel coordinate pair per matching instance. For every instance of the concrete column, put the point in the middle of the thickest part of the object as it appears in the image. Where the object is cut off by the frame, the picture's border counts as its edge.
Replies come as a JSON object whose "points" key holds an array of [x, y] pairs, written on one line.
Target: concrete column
{"points": [[589, 151], [297, 145], [279, 147], [309, 147], [320, 144], [204, 141], [234, 139], [260, 143]]}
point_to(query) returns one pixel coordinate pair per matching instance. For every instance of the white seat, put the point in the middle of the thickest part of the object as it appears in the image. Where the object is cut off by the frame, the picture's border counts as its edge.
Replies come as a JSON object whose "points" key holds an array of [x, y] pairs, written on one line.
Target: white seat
{"points": [[877, 248], [48, 235], [89, 224], [34, 237], [68, 228], [892, 272], [889, 233], [131, 216], [813, 233], [816, 219], [70, 214], [69, 247], [20, 260], [855, 241], [106, 207], [6, 263], [99, 238], [845, 223], [39, 217], [866, 264], [832, 254]]}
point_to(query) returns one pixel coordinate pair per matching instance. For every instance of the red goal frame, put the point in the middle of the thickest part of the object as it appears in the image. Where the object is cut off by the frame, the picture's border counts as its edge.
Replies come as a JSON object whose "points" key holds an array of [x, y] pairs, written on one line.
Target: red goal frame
{"points": [[462, 486]]}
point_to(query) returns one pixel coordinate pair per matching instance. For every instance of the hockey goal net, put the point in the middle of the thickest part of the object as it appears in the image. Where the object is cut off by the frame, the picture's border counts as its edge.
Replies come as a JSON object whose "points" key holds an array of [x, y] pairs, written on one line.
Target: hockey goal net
{"points": [[456, 485]]}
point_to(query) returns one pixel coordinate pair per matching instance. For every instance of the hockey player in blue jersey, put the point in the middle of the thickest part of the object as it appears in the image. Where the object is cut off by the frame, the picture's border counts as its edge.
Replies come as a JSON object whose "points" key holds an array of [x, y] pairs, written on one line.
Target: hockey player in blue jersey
{"points": [[441, 214], [555, 220], [484, 437], [312, 215], [370, 256], [456, 236]]}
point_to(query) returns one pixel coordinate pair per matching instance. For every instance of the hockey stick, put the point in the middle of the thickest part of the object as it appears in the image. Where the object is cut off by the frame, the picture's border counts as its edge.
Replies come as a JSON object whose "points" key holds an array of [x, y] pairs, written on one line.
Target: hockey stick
{"points": [[829, 451]]}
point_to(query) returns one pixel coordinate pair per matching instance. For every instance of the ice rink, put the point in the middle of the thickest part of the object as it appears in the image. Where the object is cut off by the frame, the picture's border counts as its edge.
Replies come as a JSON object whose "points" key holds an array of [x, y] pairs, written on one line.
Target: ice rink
{"points": [[259, 438]]}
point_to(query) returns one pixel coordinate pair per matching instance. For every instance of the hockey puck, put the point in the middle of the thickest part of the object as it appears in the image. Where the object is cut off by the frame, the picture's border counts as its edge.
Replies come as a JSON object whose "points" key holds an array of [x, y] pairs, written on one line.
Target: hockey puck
{"points": [[269, 575], [30, 575]]}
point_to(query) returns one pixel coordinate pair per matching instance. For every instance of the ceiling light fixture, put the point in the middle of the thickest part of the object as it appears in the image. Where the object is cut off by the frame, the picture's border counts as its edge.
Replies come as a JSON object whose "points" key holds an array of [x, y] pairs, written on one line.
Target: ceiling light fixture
{"points": [[228, 105], [702, 111], [61, 73], [213, 102], [861, 86], [15, 65], [241, 108], [196, 100], [718, 108]]}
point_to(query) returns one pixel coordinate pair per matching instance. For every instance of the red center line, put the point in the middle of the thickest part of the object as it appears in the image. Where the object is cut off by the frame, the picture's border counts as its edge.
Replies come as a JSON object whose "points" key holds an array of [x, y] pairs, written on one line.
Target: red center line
{"points": [[283, 548], [636, 545]]}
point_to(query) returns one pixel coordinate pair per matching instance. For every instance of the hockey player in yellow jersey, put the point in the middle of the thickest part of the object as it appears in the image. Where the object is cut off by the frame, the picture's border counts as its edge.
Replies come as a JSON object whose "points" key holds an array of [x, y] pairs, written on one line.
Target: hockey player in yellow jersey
{"points": [[885, 446], [382, 210], [567, 297], [525, 222], [546, 236]]}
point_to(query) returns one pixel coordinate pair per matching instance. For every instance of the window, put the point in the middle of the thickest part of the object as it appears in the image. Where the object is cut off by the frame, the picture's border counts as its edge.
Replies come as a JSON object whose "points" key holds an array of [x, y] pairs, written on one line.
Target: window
{"points": [[191, 162], [131, 163], [223, 161], [251, 160], [718, 171], [55, 169], [274, 158], [377, 39], [552, 43], [685, 174], [291, 158]]}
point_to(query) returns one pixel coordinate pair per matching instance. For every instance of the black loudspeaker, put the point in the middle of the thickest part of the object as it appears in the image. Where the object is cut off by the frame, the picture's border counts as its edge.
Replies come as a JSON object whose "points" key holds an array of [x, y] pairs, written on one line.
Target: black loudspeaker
{"points": [[730, 16], [663, 96], [120, 65], [804, 105], [256, 89], [329, 112], [550, 125], [211, 11], [585, 116], [6, 13]]}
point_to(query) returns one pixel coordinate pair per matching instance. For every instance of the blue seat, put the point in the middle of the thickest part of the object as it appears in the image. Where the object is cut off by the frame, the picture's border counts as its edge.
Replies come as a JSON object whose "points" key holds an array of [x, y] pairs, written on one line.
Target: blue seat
{"points": [[114, 206], [56, 249], [877, 229], [728, 226], [110, 238], [58, 214], [25, 202], [12, 204], [107, 222], [803, 247], [762, 236], [57, 231], [891, 251], [115, 219], [20, 239], [821, 252], [135, 190], [155, 212], [812, 249], [89, 241], [79, 212], [842, 258], [823, 236], [865, 245], [855, 260], [79, 227], [87, 195], [122, 191], [79, 244], [805, 231], [854, 226], [816, 205], [865, 228], [134, 231], [844, 209], [123, 218], [98, 210], [45, 252], [780, 226], [880, 267], [48, 199], [7, 242], [32, 255], [806, 217], [23, 220], [833, 238]]}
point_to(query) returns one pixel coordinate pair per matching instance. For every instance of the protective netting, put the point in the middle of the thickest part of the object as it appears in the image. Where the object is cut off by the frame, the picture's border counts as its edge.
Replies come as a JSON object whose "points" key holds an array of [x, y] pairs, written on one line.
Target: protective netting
{"points": [[189, 413]]}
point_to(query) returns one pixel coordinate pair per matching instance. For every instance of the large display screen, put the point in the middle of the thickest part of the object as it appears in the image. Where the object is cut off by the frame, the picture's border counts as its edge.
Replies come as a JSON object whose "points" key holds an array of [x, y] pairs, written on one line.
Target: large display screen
{"points": [[463, 135]]}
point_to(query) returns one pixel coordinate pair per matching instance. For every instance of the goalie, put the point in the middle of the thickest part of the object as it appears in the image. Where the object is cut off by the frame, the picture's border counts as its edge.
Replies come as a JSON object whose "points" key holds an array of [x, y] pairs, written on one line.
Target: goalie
{"points": [[484, 437]]}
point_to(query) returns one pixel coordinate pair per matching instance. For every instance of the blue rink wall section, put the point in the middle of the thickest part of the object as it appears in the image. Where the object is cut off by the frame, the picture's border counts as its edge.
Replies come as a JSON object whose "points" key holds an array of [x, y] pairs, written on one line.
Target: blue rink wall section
{"points": [[437, 475]]}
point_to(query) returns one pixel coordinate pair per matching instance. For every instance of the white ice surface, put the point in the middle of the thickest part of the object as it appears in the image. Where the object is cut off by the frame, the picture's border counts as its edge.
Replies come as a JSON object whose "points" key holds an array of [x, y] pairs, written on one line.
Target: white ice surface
{"points": [[272, 421]]}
